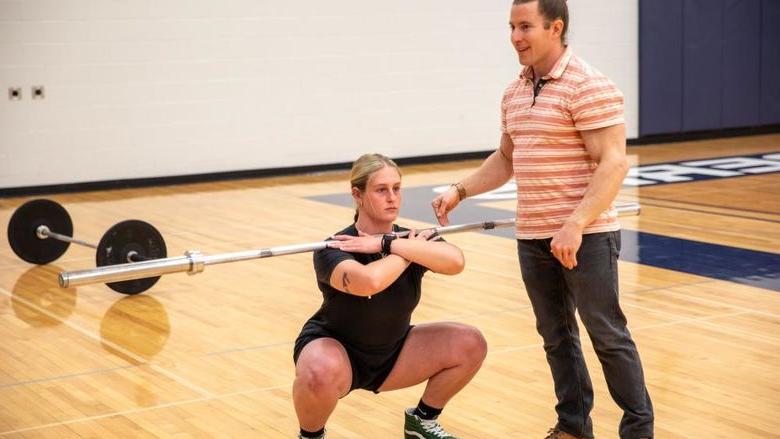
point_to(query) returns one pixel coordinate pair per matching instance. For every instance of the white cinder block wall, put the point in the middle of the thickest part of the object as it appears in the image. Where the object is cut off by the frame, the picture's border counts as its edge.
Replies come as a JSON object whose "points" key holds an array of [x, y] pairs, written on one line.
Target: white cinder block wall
{"points": [[156, 88]]}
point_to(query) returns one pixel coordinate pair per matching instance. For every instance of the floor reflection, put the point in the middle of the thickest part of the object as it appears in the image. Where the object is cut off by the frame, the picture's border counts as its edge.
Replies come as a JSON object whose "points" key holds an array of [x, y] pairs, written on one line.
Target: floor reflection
{"points": [[39, 301], [135, 328]]}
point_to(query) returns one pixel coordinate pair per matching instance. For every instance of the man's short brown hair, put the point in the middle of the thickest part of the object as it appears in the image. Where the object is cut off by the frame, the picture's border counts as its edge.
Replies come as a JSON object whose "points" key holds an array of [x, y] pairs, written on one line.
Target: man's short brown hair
{"points": [[551, 10]]}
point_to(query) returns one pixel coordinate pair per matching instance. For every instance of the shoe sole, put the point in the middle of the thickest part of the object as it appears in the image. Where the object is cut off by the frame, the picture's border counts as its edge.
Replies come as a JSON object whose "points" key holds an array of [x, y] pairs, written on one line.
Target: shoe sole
{"points": [[412, 435]]}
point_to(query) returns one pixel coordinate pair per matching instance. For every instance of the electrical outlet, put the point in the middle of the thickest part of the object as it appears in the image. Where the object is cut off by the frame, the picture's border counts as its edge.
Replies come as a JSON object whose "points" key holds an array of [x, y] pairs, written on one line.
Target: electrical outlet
{"points": [[38, 92], [15, 93]]}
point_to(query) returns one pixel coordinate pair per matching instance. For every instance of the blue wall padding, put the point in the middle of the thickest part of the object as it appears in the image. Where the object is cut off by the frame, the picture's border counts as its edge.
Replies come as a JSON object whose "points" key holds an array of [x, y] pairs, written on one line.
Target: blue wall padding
{"points": [[708, 65], [770, 62], [702, 64], [660, 66], [741, 89]]}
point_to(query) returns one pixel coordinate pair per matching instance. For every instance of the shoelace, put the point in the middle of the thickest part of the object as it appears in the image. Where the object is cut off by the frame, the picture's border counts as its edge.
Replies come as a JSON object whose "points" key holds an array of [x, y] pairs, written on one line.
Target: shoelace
{"points": [[433, 427]]}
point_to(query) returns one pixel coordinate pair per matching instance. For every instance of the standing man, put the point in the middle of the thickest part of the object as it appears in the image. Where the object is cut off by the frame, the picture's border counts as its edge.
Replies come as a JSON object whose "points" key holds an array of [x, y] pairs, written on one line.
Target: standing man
{"points": [[564, 141]]}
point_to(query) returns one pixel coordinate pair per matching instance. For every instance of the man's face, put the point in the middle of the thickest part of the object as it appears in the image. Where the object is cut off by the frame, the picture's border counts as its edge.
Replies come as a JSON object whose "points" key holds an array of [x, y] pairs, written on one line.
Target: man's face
{"points": [[529, 37]]}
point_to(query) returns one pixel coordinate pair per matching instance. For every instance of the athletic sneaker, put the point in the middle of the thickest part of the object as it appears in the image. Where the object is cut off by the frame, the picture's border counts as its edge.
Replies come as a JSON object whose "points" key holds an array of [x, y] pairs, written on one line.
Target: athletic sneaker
{"points": [[322, 436], [416, 428]]}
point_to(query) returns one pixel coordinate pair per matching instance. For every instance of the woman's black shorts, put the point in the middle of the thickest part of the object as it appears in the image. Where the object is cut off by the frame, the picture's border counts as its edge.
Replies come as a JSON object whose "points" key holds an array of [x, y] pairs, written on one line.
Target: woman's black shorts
{"points": [[370, 368]]}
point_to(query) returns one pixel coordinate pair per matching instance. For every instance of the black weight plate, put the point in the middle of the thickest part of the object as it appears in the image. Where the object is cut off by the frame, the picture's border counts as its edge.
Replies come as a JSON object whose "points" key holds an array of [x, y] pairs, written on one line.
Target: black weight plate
{"points": [[123, 238], [24, 224]]}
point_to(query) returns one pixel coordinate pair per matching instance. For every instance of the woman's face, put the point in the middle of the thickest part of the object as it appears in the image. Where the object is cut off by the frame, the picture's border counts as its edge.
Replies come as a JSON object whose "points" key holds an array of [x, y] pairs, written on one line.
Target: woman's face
{"points": [[382, 198]]}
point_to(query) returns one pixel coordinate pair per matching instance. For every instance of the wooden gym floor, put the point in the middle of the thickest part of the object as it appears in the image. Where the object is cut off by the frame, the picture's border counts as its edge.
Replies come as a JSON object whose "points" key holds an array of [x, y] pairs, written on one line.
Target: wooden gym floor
{"points": [[210, 355]]}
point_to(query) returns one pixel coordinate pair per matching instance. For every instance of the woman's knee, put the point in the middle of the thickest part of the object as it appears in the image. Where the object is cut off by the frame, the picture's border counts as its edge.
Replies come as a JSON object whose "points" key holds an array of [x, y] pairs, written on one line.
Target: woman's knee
{"points": [[325, 375], [471, 344]]}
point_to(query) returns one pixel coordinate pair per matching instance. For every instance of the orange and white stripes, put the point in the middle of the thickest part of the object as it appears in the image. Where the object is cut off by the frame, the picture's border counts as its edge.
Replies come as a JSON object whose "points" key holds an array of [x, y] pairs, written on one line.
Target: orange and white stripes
{"points": [[552, 167]]}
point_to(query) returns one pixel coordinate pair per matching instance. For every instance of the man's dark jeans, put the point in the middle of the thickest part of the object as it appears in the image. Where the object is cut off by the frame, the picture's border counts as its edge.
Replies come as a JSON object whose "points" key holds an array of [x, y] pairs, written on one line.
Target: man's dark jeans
{"points": [[591, 288]]}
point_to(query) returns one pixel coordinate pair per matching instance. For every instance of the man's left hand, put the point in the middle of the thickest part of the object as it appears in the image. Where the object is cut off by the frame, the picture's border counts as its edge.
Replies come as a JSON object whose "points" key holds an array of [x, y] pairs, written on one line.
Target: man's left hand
{"points": [[565, 244]]}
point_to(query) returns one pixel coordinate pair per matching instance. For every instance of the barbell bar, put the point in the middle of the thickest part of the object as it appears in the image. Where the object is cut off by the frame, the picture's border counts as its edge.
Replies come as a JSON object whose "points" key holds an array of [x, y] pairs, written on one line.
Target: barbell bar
{"points": [[194, 262], [43, 232]]}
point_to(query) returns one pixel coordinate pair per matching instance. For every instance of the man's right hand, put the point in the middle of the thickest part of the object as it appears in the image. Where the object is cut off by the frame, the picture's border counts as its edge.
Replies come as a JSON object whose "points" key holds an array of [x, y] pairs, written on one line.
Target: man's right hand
{"points": [[444, 203]]}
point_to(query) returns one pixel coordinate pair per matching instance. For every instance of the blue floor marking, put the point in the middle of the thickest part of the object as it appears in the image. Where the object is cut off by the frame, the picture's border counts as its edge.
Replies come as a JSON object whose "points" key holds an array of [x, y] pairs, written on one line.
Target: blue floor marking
{"points": [[743, 266]]}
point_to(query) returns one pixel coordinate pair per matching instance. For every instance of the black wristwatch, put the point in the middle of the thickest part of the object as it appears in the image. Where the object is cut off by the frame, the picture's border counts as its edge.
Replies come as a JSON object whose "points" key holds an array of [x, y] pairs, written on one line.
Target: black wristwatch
{"points": [[387, 240]]}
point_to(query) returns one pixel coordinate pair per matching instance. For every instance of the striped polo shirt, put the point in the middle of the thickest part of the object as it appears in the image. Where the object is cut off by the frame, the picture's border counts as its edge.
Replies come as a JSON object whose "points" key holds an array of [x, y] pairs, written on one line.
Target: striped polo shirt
{"points": [[551, 165]]}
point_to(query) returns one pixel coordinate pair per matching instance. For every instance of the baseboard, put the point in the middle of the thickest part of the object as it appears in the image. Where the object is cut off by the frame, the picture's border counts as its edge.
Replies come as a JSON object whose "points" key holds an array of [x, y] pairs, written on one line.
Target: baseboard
{"points": [[297, 170]]}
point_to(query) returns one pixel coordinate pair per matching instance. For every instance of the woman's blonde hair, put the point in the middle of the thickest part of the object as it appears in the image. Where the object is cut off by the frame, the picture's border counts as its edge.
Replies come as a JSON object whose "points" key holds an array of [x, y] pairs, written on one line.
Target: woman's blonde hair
{"points": [[364, 167]]}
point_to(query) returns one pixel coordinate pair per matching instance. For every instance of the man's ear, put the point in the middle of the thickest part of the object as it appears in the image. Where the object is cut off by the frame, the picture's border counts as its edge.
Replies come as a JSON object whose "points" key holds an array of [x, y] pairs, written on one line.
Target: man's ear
{"points": [[557, 28]]}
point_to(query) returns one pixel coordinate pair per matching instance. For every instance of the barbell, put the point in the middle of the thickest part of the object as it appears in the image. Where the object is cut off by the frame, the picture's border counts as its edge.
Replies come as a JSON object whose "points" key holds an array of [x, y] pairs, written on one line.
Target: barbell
{"points": [[194, 262], [41, 230]]}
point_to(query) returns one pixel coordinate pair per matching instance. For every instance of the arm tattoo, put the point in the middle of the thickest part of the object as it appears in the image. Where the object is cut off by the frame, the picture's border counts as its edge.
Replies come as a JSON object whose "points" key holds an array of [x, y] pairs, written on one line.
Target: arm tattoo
{"points": [[345, 281]]}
